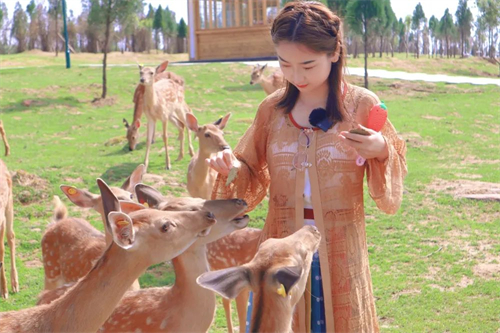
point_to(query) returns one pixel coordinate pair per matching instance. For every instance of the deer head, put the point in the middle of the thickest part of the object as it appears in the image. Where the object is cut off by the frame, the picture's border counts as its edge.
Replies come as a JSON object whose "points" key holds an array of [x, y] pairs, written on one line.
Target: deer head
{"points": [[277, 275], [211, 136], [132, 133], [147, 74], [257, 73], [229, 213]]}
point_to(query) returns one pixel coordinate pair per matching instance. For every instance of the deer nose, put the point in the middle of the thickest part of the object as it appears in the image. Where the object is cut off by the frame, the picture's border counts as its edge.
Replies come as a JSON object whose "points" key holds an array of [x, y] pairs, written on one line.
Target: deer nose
{"points": [[130, 148], [240, 202], [251, 82], [142, 80], [225, 147]]}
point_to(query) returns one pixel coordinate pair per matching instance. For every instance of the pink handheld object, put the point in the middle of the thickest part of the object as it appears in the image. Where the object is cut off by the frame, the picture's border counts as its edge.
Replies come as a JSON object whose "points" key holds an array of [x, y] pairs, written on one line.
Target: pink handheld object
{"points": [[376, 120]]}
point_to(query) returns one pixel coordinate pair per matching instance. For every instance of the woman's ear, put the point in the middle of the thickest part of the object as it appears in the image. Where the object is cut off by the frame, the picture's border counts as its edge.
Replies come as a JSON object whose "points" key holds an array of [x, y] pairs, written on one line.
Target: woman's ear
{"points": [[336, 54]]}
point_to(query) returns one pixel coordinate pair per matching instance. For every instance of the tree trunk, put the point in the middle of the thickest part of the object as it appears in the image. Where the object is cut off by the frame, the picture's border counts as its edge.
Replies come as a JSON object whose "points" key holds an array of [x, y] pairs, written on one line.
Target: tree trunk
{"points": [[105, 50], [57, 29], [365, 37], [416, 45], [381, 45]]}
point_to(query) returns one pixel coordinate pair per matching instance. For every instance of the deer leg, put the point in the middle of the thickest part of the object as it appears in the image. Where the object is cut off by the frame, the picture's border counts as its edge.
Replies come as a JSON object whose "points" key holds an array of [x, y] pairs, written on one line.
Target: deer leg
{"points": [[11, 239], [181, 140], [150, 133], [227, 310], [165, 142], [4, 293], [241, 307]]}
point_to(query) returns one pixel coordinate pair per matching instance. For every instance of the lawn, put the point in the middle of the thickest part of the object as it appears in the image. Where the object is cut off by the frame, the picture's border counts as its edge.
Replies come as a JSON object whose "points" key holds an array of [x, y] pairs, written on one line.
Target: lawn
{"points": [[435, 264]]}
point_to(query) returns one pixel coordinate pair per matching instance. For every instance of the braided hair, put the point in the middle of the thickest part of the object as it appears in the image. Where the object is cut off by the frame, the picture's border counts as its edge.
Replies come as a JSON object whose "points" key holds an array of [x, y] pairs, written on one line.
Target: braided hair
{"points": [[313, 25]]}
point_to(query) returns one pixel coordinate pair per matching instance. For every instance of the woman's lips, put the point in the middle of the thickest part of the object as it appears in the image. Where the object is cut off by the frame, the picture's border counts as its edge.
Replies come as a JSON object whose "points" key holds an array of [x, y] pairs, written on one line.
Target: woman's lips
{"points": [[301, 86]]}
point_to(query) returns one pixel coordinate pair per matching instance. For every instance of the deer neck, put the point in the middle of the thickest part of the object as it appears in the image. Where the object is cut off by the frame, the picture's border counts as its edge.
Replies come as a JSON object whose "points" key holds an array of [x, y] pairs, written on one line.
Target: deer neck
{"points": [[188, 266], [269, 316], [267, 84], [91, 301], [200, 168], [149, 96]]}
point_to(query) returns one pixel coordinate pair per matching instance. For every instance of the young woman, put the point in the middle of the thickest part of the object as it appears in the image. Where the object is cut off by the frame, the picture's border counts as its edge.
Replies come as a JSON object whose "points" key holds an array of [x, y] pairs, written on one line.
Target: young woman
{"points": [[311, 173]]}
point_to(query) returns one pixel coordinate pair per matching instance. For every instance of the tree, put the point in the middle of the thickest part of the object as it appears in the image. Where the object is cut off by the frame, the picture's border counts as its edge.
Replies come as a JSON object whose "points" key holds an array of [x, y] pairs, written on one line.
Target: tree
{"points": [[407, 32], [446, 27], [417, 20], [20, 27], [490, 13], [54, 10], [339, 7], [169, 29], [182, 29], [464, 22], [106, 13], [158, 25], [434, 30], [359, 16]]}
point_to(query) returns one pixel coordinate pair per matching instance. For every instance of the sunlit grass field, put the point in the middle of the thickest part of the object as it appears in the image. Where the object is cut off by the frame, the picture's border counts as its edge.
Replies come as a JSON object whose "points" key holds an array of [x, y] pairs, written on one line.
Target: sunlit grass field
{"points": [[435, 264]]}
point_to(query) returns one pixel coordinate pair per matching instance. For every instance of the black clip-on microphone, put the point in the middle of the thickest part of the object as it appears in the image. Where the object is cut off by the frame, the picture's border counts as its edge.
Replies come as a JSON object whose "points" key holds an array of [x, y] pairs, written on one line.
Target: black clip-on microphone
{"points": [[318, 118]]}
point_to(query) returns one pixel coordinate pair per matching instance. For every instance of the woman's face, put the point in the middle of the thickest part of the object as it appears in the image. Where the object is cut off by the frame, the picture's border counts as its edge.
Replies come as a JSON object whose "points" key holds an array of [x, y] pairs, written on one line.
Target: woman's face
{"points": [[303, 67]]}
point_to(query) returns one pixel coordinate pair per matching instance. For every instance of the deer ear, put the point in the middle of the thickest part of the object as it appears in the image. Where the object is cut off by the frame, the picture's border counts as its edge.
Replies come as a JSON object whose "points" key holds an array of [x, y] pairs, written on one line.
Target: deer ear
{"points": [[81, 198], [126, 123], [192, 122], [227, 282], [288, 276], [122, 229], [161, 68], [134, 178], [129, 206], [147, 195], [264, 67], [109, 201], [224, 121]]}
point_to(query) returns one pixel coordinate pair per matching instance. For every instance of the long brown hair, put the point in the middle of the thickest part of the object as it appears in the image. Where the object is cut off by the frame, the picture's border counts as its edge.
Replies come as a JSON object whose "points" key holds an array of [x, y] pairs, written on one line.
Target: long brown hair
{"points": [[313, 25]]}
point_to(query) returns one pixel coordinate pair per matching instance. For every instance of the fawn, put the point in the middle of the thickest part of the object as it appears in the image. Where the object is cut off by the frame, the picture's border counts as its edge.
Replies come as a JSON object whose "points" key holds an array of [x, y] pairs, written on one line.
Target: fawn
{"points": [[140, 239], [7, 224], [133, 130], [277, 275], [163, 101], [269, 83], [171, 309]]}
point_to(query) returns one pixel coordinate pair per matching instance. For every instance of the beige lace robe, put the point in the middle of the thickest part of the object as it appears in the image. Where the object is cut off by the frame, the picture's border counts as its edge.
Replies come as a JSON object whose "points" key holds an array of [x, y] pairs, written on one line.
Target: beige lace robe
{"points": [[266, 152]]}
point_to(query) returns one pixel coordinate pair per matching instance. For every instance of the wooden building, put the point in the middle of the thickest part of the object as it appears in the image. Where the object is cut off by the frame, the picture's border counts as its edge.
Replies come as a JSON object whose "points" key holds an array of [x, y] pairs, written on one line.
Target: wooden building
{"points": [[229, 29]]}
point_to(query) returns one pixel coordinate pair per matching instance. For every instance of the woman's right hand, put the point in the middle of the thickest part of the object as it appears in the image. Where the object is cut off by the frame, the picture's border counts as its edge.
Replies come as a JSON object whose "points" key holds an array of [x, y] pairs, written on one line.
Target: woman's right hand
{"points": [[223, 162]]}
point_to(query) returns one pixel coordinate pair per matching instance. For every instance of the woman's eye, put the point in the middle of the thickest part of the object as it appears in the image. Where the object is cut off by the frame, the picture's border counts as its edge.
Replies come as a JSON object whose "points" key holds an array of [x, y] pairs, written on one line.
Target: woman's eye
{"points": [[308, 68]]}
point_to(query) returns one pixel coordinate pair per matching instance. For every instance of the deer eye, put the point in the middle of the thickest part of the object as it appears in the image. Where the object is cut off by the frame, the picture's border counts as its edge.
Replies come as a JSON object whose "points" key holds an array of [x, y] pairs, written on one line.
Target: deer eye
{"points": [[207, 135], [166, 227]]}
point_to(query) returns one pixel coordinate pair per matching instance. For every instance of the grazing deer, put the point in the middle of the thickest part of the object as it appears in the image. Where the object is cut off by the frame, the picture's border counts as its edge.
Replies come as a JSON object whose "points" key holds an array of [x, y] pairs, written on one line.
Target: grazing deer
{"points": [[277, 275], [171, 309], [70, 247], [200, 177], [163, 101], [7, 224], [269, 83], [140, 239], [133, 130], [4, 138], [239, 247]]}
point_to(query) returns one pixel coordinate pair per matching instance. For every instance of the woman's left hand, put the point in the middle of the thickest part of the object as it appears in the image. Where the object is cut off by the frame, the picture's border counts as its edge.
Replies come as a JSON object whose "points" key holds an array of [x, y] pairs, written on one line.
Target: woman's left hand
{"points": [[367, 146]]}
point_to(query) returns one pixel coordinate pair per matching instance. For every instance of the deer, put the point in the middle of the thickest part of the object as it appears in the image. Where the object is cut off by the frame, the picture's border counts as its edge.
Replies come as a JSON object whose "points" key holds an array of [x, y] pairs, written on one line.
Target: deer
{"points": [[70, 247], [269, 83], [4, 138], [7, 225], [277, 276], [140, 239], [133, 130], [171, 309], [240, 246], [163, 101]]}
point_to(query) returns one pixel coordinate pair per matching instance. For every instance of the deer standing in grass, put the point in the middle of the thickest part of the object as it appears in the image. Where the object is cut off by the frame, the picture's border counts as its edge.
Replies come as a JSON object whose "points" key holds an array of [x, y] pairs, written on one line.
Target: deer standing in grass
{"points": [[163, 101], [240, 246], [70, 247], [7, 224], [171, 309], [133, 130], [277, 275], [140, 239], [269, 83]]}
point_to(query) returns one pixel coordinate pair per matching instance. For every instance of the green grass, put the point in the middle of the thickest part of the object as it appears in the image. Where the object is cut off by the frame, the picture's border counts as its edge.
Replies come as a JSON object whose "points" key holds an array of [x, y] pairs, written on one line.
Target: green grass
{"points": [[424, 259]]}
